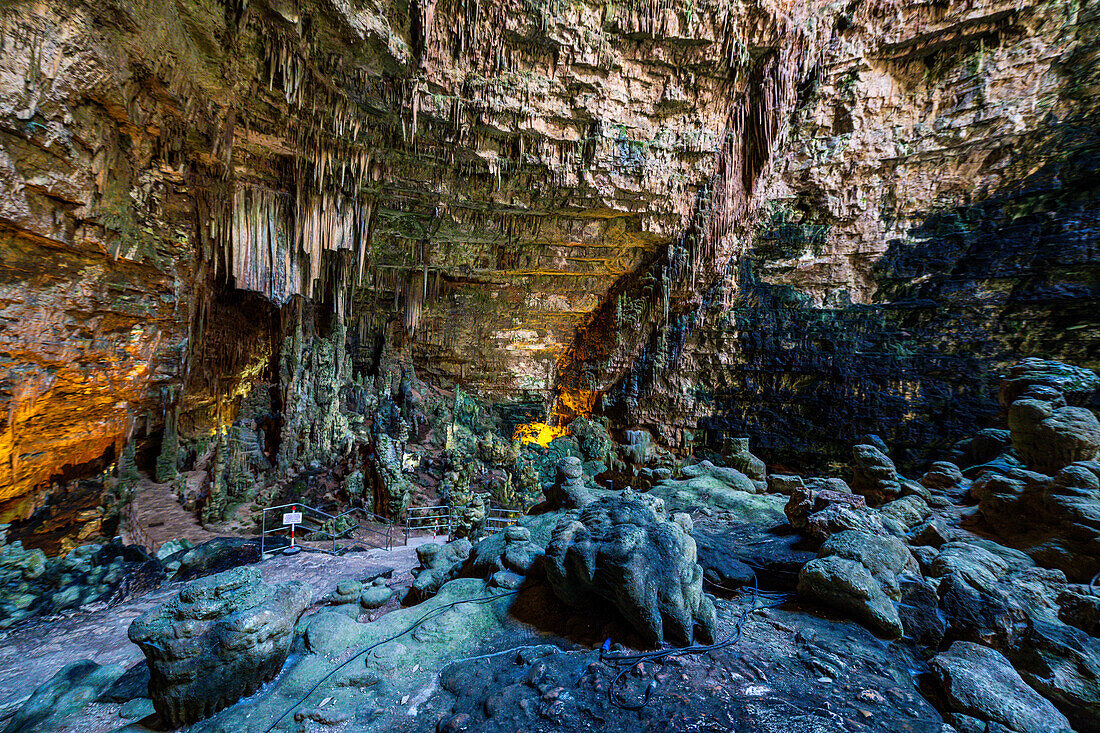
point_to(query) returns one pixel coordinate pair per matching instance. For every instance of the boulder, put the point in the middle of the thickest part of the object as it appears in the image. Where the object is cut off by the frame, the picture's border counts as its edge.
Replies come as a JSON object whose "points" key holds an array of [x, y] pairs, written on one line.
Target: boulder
{"points": [[623, 551], [1076, 383], [63, 695], [568, 491], [906, 512], [345, 598], [438, 564], [1049, 437], [731, 477], [1063, 664], [874, 475], [377, 594], [217, 641], [848, 586], [884, 557], [1056, 520], [331, 633], [736, 453], [979, 682], [781, 484]]}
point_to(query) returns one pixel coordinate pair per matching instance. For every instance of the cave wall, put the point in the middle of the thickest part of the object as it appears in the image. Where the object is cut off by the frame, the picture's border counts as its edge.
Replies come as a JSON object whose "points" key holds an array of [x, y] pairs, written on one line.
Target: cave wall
{"points": [[932, 219], [772, 217]]}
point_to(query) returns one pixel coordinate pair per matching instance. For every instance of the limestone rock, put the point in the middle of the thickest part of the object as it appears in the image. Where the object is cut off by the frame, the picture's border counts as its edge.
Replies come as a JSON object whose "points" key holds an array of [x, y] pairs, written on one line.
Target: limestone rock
{"points": [[1049, 438], [874, 475], [568, 490], [217, 641], [622, 551], [779, 484], [736, 453], [1055, 519], [904, 513], [64, 694], [377, 594], [1063, 664], [732, 477], [823, 512], [331, 633], [884, 557], [1076, 383], [438, 564], [850, 587], [980, 682]]}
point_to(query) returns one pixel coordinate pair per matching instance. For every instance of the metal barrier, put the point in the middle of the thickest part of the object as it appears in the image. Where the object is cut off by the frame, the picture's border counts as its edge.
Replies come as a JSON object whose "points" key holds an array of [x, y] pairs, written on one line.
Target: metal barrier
{"points": [[371, 518], [499, 517], [316, 522], [435, 518]]}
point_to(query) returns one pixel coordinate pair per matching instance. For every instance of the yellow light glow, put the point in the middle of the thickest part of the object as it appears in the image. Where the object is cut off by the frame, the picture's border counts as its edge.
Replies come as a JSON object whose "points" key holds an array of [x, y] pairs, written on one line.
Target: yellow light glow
{"points": [[567, 406], [538, 432]]}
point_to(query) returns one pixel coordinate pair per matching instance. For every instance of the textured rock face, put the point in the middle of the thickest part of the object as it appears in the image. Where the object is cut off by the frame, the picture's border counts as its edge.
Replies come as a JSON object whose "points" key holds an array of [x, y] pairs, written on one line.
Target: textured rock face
{"points": [[980, 683], [728, 214], [485, 173], [903, 256], [857, 572], [438, 564], [1054, 519], [217, 641], [622, 551], [1049, 437]]}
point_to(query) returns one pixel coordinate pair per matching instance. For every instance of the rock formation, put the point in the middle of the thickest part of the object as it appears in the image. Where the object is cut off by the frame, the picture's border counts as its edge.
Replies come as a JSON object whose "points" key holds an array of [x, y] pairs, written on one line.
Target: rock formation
{"points": [[981, 684], [217, 641], [568, 490], [438, 564], [1048, 435], [622, 551]]}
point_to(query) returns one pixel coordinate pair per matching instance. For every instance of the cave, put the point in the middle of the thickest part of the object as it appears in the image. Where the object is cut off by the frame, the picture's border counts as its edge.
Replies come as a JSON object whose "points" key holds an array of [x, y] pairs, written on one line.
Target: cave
{"points": [[532, 365]]}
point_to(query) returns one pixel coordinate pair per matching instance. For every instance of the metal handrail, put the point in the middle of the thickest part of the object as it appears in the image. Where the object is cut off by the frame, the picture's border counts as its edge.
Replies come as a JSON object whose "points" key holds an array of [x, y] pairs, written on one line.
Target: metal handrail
{"points": [[499, 517], [333, 533], [434, 518], [388, 534]]}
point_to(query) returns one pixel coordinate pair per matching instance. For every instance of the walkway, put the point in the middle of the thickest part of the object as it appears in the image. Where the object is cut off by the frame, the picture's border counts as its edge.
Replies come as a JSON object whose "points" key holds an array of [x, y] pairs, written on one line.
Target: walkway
{"points": [[31, 654]]}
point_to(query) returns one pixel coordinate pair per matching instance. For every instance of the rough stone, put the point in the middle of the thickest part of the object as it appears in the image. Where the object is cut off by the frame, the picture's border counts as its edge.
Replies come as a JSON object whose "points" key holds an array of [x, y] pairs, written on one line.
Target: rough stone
{"points": [[217, 641], [621, 551], [1049, 438], [65, 694], [438, 564], [980, 682], [568, 490], [874, 475], [850, 587]]}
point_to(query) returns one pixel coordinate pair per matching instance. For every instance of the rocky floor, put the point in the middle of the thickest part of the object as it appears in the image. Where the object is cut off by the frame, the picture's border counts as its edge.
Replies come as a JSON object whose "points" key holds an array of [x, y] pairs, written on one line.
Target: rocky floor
{"points": [[32, 653]]}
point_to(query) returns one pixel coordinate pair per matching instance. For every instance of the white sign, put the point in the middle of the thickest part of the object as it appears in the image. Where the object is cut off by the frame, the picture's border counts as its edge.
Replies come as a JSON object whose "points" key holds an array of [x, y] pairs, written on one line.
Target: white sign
{"points": [[292, 518]]}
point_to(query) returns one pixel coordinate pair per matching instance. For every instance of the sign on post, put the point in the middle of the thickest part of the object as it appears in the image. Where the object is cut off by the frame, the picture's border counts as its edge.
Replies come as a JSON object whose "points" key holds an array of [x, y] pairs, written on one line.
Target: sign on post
{"points": [[293, 519]]}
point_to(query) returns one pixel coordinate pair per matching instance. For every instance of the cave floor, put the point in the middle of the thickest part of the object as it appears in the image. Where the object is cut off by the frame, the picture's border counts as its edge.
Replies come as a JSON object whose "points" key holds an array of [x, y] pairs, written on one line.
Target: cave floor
{"points": [[31, 653]]}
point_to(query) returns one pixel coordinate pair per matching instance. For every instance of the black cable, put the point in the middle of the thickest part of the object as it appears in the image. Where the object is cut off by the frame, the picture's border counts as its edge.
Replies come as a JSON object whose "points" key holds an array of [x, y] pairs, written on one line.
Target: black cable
{"points": [[628, 661], [1094, 585], [438, 611]]}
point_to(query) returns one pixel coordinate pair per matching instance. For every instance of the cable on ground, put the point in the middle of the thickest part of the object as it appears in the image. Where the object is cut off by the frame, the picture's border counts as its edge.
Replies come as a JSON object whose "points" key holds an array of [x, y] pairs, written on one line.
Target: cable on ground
{"points": [[628, 661], [438, 611]]}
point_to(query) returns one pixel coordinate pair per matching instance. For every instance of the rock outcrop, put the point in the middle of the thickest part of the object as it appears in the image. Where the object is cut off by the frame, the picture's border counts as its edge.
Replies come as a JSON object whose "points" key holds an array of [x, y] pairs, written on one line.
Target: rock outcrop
{"points": [[857, 572], [217, 641], [1049, 435], [623, 552], [438, 564], [979, 683]]}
